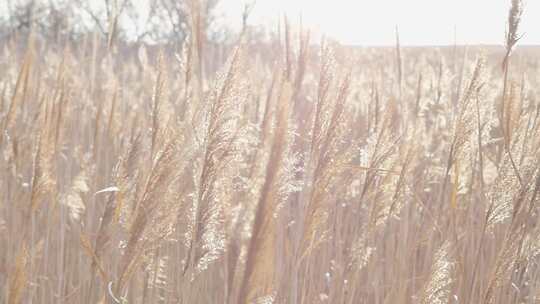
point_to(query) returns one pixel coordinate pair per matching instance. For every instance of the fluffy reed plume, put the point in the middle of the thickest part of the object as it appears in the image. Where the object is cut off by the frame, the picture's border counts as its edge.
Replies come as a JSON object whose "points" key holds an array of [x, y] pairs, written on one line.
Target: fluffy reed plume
{"points": [[154, 214], [464, 122], [157, 106], [437, 289], [506, 116], [512, 32], [516, 234], [19, 93], [502, 193], [328, 157], [126, 175], [151, 211], [43, 182], [361, 252], [393, 191], [259, 277], [399, 63], [73, 198], [505, 264], [205, 236], [154, 206]]}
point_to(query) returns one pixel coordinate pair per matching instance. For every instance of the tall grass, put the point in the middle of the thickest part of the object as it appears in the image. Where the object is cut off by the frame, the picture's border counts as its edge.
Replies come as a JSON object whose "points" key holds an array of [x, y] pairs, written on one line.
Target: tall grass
{"points": [[308, 174]]}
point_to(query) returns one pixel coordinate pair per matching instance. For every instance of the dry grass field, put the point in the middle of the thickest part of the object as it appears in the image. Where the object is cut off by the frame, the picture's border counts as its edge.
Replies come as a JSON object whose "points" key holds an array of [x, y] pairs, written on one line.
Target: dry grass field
{"points": [[299, 172]]}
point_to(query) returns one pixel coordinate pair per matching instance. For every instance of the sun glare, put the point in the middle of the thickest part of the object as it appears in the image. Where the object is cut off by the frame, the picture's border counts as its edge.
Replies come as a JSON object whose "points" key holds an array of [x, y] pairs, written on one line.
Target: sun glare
{"points": [[420, 22]]}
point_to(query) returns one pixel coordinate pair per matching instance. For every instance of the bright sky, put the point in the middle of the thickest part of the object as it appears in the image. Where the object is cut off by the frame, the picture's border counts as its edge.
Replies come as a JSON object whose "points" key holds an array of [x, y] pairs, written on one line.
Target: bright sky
{"points": [[421, 22]]}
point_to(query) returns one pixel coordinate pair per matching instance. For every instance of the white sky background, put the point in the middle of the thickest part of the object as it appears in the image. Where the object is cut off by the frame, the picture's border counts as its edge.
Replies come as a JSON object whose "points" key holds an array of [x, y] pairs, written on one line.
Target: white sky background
{"points": [[420, 22], [372, 22]]}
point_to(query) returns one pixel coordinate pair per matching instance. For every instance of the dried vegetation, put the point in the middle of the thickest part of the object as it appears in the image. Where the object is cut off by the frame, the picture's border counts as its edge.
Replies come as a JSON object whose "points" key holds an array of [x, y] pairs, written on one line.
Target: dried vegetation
{"points": [[321, 174]]}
